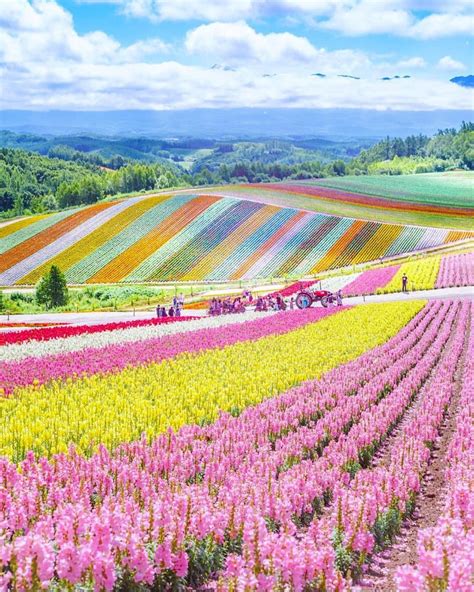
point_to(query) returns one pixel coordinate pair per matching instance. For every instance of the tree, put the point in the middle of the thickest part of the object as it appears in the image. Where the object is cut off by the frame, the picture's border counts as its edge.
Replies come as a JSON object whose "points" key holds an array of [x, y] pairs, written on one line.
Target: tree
{"points": [[52, 289]]}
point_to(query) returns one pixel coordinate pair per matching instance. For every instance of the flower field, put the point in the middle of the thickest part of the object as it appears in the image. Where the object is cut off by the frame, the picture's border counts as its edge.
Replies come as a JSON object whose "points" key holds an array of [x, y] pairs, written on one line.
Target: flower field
{"points": [[437, 200], [274, 451], [201, 237], [425, 273]]}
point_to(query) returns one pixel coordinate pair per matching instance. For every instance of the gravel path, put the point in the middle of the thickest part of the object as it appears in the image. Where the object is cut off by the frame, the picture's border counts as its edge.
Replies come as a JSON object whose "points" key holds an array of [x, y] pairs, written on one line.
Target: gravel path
{"points": [[465, 293]]}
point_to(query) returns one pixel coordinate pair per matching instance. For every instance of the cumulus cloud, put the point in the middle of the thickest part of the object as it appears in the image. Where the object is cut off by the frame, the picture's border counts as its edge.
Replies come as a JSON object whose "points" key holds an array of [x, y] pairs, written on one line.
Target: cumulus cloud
{"points": [[45, 63], [368, 17], [435, 26], [411, 63], [238, 43], [218, 10], [448, 63], [349, 17], [43, 31]]}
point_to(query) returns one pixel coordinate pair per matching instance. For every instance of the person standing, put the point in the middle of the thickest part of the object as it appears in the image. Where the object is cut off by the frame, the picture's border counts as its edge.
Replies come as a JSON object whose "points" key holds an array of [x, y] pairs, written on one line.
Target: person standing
{"points": [[339, 298], [404, 283]]}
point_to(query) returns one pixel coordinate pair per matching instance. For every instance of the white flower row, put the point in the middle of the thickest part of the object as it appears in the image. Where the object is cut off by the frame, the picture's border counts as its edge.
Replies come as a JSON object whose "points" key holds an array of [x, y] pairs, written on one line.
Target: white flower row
{"points": [[38, 349]]}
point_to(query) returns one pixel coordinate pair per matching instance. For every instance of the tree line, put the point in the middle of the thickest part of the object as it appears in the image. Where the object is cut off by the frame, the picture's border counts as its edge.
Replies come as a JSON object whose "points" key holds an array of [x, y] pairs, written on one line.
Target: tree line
{"points": [[32, 183]]}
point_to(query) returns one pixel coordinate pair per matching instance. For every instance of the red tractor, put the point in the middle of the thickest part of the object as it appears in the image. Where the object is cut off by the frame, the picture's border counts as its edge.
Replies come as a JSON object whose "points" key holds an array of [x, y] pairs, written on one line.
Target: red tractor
{"points": [[305, 298]]}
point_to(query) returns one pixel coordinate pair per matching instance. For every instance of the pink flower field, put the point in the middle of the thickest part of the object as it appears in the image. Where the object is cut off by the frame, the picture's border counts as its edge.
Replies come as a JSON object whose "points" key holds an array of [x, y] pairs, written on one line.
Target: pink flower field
{"points": [[301, 490]]}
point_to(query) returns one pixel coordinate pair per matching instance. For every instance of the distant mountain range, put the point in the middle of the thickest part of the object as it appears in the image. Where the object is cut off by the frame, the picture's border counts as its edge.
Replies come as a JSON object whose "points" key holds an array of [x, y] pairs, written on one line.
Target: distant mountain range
{"points": [[467, 81], [235, 123]]}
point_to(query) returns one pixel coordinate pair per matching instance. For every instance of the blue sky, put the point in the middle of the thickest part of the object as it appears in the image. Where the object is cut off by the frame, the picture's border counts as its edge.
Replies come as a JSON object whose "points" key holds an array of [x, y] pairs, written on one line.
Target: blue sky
{"points": [[159, 54]]}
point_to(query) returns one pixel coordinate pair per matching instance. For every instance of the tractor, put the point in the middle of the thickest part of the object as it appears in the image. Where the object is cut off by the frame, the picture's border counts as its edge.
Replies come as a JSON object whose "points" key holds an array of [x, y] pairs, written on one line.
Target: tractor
{"points": [[305, 298]]}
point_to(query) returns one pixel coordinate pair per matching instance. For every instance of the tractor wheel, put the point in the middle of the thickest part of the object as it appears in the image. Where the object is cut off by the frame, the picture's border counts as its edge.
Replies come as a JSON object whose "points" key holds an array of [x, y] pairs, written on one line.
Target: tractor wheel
{"points": [[325, 301], [304, 300]]}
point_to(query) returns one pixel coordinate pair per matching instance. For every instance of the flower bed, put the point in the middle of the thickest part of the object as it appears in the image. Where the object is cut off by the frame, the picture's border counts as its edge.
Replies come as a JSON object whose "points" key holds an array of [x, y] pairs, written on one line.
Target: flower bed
{"points": [[226, 498]]}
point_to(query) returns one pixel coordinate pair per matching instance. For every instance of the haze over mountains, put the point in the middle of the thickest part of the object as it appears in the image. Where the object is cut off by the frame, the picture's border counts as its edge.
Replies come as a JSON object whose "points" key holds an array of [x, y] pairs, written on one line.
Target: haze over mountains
{"points": [[241, 123]]}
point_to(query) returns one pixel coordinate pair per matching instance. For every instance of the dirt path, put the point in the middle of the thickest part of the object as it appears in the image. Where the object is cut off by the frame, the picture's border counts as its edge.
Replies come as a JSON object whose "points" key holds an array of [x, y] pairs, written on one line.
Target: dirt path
{"points": [[430, 501]]}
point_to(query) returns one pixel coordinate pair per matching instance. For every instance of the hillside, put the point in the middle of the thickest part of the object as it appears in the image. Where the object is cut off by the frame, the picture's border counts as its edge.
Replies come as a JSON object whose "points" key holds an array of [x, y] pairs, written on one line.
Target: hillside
{"points": [[443, 200], [185, 236]]}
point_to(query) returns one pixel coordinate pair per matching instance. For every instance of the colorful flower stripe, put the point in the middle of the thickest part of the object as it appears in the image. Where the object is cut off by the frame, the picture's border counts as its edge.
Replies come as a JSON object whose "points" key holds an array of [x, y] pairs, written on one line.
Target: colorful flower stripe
{"points": [[456, 235], [250, 245], [58, 346], [328, 259], [406, 241], [206, 241], [202, 237], [14, 225], [385, 234], [456, 270], [62, 331], [333, 284], [67, 239], [261, 249], [333, 542], [421, 275], [316, 238], [28, 232], [325, 242], [370, 281], [117, 518], [190, 388], [146, 270], [230, 244], [37, 242], [114, 358], [290, 244], [375, 201], [95, 239], [356, 245], [446, 551], [105, 254], [129, 258]]}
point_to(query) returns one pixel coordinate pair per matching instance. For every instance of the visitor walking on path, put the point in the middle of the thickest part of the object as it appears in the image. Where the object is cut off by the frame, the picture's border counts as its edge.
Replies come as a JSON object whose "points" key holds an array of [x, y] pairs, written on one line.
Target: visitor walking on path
{"points": [[339, 298], [404, 283]]}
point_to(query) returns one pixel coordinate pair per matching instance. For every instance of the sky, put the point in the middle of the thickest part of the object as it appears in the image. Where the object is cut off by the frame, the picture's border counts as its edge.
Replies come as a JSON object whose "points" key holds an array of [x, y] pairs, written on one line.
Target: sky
{"points": [[185, 54]]}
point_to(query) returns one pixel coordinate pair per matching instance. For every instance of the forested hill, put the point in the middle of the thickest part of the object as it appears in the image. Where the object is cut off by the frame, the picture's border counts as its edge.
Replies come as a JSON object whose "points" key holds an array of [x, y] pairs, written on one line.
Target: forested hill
{"points": [[34, 183]]}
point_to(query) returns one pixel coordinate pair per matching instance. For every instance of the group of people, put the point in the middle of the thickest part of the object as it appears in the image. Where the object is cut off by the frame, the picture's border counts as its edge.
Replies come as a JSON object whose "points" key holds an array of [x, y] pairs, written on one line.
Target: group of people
{"points": [[174, 310], [228, 305], [277, 302]]}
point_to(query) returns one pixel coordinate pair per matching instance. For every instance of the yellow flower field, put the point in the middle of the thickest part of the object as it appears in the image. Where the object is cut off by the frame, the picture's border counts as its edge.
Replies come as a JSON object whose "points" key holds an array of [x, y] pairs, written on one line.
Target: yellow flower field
{"points": [[421, 275], [190, 388]]}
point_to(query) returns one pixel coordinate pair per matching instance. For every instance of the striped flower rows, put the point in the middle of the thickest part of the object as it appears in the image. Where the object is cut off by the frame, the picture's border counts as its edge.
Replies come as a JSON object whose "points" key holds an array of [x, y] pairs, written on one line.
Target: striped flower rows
{"points": [[235, 504], [193, 237], [446, 551], [212, 371]]}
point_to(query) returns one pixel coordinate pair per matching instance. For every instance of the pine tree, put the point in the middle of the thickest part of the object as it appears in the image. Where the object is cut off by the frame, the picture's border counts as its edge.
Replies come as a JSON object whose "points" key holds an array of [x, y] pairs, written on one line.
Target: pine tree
{"points": [[52, 289]]}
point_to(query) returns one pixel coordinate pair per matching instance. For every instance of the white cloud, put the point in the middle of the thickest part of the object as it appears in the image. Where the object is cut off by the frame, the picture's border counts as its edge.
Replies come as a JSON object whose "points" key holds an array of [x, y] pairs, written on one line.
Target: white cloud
{"points": [[368, 17], [218, 10], [411, 63], [43, 31], [435, 26], [349, 17], [364, 17], [45, 63], [448, 63], [238, 43]]}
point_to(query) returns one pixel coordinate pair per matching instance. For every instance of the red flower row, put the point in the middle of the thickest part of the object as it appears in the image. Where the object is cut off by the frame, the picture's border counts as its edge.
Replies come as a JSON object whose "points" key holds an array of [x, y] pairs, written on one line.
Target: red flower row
{"points": [[70, 331]]}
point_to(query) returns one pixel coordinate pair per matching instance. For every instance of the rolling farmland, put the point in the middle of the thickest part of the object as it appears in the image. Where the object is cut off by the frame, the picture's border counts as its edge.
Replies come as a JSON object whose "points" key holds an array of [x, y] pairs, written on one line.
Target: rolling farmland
{"points": [[213, 236]]}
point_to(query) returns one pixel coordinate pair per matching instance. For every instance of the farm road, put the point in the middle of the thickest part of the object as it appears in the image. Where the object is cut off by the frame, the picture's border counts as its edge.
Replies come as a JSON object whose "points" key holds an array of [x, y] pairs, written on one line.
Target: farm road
{"points": [[91, 318]]}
